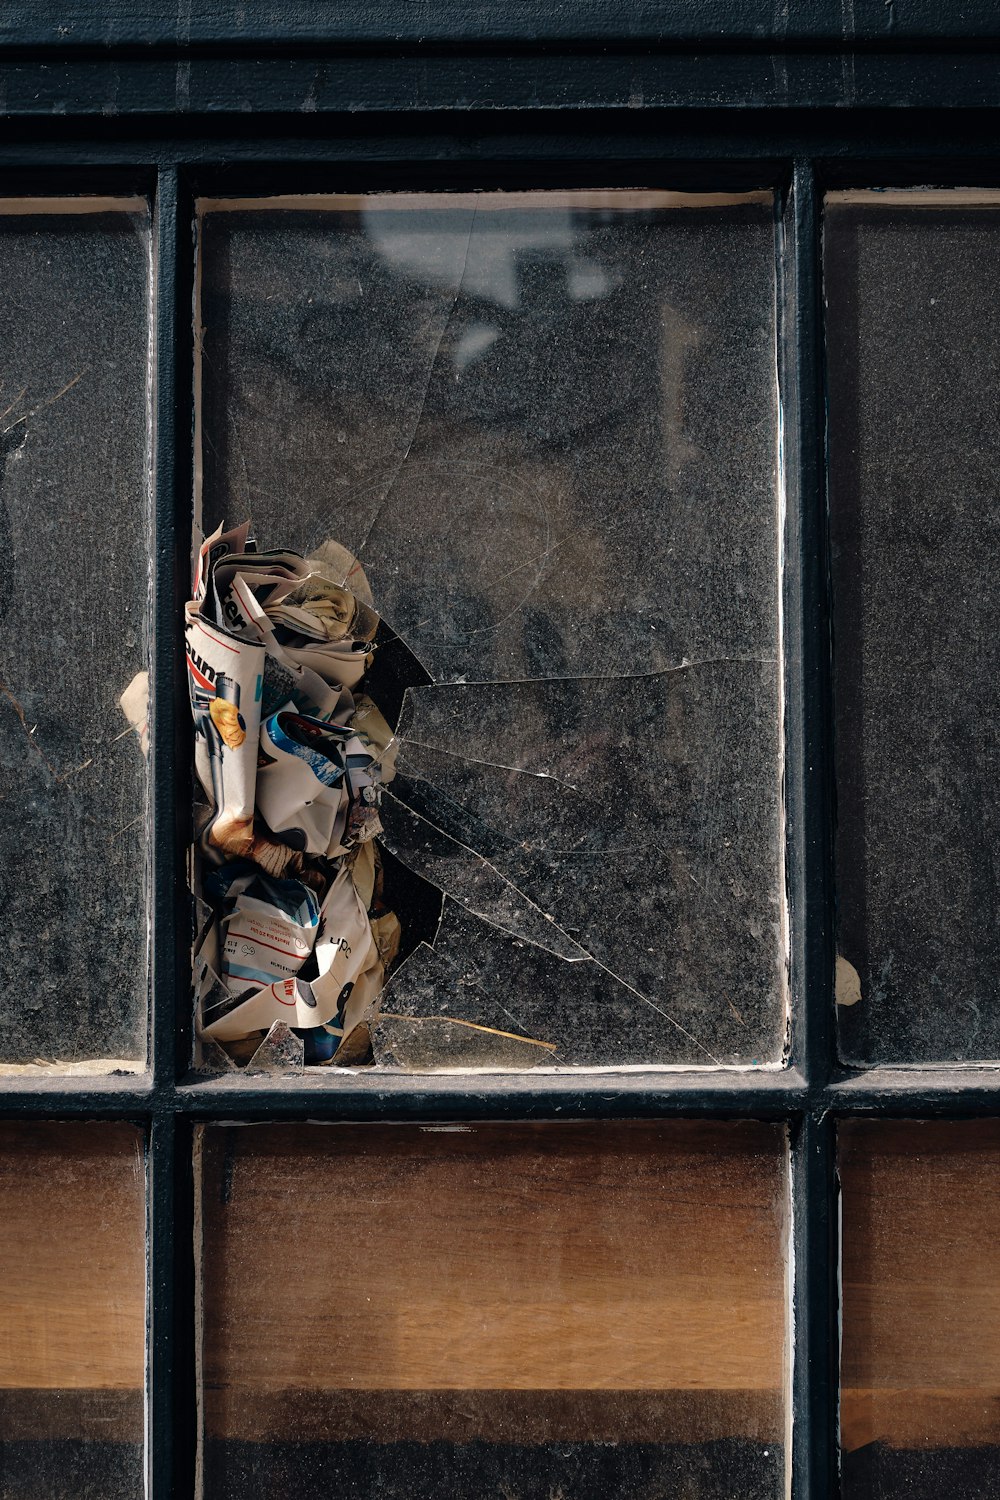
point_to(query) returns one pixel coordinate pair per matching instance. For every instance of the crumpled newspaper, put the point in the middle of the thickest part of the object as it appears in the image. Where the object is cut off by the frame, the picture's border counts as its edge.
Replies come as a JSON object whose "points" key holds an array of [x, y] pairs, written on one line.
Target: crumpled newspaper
{"points": [[290, 757]]}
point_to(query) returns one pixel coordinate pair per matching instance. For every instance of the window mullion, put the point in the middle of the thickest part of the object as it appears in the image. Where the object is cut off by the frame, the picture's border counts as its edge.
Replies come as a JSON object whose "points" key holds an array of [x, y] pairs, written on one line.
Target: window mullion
{"points": [[170, 1291], [171, 548], [806, 630], [808, 810], [815, 1353], [170, 1414]]}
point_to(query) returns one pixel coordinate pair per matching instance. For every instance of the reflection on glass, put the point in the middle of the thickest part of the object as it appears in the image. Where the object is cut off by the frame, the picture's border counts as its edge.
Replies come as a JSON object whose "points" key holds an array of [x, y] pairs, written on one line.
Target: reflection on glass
{"points": [[921, 1342], [74, 537], [914, 334], [546, 426], [524, 1310], [72, 1313]]}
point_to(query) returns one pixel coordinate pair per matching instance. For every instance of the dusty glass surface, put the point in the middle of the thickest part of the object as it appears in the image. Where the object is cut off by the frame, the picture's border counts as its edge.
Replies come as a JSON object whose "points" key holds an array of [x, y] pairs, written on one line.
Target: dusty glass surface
{"points": [[527, 1310], [914, 346], [74, 535], [921, 1298], [546, 425], [73, 1311]]}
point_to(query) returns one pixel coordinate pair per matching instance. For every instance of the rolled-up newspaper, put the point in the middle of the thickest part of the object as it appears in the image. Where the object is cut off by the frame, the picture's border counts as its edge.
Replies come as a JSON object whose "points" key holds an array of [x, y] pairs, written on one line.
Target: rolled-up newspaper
{"points": [[343, 992], [274, 648], [291, 758]]}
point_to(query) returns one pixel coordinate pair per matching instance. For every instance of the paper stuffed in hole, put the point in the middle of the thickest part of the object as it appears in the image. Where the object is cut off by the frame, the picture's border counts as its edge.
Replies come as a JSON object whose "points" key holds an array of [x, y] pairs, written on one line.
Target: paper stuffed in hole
{"points": [[290, 760], [291, 755]]}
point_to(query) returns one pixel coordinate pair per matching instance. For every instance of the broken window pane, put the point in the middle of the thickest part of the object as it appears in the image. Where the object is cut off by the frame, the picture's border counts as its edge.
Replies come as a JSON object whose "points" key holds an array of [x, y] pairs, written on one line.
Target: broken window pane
{"points": [[73, 1311], [433, 1311], [914, 340], [74, 534], [921, 1343], [544, 428]]}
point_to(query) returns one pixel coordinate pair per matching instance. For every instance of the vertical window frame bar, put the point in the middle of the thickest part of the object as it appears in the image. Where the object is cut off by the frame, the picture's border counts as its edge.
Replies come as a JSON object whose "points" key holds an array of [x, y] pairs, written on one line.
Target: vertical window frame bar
{"points": [[809, 811], [170, 1288], [169, 758]]}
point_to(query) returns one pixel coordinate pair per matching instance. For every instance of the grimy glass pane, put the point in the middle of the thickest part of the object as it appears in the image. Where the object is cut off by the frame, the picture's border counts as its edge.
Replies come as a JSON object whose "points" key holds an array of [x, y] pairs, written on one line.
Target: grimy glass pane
{"points": [[529, 1310], [921, 1310], [545, 424], [74, 535], [914, 347], [72, 1313]]}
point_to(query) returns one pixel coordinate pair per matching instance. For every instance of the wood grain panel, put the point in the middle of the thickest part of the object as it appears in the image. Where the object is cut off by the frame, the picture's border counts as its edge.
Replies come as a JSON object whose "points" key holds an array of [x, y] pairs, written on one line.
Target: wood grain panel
{"points": [[921, 1283], [72, 1239], [515, 1258], [536, 1417]]}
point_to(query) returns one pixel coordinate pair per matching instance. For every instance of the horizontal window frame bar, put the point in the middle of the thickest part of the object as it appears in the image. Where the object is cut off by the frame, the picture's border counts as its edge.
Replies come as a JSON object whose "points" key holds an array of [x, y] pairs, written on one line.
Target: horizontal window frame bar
{"points": [[930, 1092], [342, 85], [742, 150], [420, 1097], [47, 26], [925, 1091], [498, 1096]]}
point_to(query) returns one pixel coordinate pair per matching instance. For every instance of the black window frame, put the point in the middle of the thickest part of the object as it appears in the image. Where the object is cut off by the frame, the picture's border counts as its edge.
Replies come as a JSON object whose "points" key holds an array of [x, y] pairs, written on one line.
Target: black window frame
{"points": [[664, 94]]}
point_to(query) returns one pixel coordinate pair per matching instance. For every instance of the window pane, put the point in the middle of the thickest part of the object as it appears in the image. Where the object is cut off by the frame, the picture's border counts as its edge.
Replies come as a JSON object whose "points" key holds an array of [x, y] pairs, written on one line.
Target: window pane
{"points": [[74, 535], [546, 426], [528, 1310], [72, 1313], [921, 1351], [914, 345]]}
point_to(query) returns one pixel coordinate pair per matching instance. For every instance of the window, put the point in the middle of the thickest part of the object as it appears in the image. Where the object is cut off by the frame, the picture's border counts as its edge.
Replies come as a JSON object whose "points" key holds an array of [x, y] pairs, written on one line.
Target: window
{"points": [[513, 414], [712, 366]]}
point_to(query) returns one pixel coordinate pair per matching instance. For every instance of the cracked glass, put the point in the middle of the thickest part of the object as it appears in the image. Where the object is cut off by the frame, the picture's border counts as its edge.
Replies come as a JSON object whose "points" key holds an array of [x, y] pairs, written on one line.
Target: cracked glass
{"points": [[73, 1312], [74, 533], [920, 1363], [542, 428], [913, 328], [504, 1310]]}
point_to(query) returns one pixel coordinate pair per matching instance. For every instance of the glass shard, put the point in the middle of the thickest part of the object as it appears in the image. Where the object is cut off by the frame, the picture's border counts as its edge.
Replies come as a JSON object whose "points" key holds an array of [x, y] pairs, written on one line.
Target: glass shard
{"points": [[280, 1050], [429, 1044]]}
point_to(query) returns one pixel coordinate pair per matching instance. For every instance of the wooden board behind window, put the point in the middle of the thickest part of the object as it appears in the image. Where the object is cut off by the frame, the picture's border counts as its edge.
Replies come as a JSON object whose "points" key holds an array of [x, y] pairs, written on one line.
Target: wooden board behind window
{"points": [[921, 1280], [504, 1258], [73, 1309]]}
